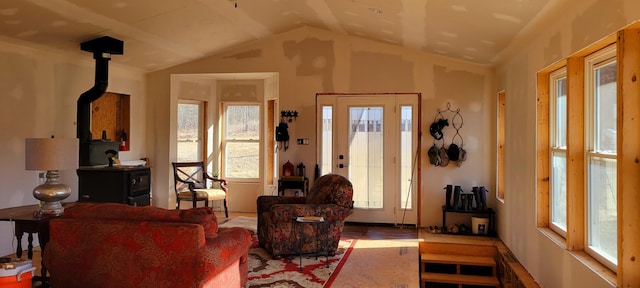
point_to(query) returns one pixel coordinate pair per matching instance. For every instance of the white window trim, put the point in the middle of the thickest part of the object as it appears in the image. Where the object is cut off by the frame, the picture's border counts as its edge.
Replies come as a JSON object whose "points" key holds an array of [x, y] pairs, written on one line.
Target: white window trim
{"points": [[600, 58], [201, 125], [554, 77]]}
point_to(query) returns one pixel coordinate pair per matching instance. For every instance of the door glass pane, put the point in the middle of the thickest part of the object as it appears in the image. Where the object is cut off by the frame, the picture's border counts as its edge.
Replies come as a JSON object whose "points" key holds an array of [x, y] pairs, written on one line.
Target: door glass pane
{"points": [[406, 153], [189, 137], [366, 153], [327, 140], [602, 215]]}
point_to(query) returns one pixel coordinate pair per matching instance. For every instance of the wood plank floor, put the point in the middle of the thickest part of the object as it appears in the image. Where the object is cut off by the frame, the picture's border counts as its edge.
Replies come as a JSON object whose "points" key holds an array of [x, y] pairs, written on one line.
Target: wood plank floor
{"points": [[384, 256]]}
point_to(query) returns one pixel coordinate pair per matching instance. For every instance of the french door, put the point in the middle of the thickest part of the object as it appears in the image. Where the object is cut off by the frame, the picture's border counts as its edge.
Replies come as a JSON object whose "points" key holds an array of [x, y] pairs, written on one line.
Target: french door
{"points": [[372, 140]]}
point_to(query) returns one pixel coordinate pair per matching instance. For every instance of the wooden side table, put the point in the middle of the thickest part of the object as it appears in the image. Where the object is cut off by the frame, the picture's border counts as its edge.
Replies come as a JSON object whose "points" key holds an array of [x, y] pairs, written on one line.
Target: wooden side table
{"points": [[26, 220], [293, 183]]}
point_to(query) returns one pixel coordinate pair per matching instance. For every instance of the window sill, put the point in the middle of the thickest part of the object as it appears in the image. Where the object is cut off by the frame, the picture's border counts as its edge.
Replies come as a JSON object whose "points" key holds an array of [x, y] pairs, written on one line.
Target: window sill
{"points": [[553, 236], [605, 273]]}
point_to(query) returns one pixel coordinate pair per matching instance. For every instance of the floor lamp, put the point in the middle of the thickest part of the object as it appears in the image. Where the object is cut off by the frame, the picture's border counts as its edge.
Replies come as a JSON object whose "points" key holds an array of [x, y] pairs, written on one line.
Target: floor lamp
{"points": [[51, 155]]}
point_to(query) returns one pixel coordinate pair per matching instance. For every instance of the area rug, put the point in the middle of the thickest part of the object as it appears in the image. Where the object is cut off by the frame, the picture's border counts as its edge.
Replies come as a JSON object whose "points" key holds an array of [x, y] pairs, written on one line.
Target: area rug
{"points": [[249, 223], [285, 272]]}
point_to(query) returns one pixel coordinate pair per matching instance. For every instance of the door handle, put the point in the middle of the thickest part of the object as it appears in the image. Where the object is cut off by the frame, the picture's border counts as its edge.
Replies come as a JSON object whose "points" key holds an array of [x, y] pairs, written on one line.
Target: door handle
{"points": [[341, 165]]}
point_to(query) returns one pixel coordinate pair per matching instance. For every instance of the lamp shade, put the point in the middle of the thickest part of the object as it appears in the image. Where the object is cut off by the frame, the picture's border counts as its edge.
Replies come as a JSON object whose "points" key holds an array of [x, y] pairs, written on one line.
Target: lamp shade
{"points": [[46, 154]]}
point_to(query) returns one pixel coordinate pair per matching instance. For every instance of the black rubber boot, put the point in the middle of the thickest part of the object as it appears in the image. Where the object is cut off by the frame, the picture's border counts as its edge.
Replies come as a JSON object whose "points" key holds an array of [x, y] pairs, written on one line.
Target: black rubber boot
{"points": [[476, 197], [483, 196], [449, 191], [456, 196]]}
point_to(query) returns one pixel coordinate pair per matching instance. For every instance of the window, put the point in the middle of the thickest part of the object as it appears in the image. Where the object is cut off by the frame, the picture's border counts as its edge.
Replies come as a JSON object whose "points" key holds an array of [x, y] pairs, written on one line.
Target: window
{"points": [[558, 150], [327, 140], [601, 198], [241, 141], [189, 130], [577, 143], [406, 159], [602, 112]]}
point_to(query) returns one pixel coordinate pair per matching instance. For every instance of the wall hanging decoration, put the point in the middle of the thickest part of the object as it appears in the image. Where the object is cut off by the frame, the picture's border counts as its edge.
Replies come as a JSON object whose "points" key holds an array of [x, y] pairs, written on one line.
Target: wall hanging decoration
{"points": [[282, 135], [282, 130], [289, 115], [455, 152], [287, 169]]}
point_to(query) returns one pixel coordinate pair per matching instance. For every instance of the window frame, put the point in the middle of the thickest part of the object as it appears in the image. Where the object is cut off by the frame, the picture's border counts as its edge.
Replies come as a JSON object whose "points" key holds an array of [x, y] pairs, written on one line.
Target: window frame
{"points": [[201, 128], [596, 60], [554, 146], [628, 140]]}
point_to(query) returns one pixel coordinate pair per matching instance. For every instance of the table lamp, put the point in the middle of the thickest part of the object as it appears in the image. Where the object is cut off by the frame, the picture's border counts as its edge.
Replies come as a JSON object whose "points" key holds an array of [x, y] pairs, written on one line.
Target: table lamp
{"points": [[51, 155]]}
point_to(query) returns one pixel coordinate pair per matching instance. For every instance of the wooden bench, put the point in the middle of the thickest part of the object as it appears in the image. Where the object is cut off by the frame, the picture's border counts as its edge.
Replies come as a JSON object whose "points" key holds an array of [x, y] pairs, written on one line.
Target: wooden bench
{"points": [[459, 259], [460, 279], [460, 264], [463, 250]]}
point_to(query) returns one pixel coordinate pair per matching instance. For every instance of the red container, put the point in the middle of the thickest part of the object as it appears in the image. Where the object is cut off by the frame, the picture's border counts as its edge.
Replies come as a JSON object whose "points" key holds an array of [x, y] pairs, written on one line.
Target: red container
{"points": [[17, 274]]}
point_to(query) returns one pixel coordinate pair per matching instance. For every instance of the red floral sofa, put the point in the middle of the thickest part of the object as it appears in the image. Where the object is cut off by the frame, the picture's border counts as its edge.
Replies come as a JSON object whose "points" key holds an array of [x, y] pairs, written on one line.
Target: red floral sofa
{"points": [[117, 245], [330, 197]]}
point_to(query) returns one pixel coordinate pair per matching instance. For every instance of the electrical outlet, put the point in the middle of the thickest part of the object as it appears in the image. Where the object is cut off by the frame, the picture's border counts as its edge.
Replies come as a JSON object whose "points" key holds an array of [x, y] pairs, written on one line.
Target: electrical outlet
{"points": [[303, 141]]}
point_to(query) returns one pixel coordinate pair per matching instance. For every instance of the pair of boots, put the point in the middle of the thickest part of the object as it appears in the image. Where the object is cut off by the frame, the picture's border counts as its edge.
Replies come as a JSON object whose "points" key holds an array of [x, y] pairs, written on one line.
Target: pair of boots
{"points": [[455, 192], [480, 193]]}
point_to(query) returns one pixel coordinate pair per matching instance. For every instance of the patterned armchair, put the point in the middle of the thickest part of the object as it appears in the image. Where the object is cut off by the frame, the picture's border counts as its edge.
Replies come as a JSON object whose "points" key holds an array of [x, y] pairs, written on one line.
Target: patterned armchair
{"points": [[117, 245], [330, 197]]}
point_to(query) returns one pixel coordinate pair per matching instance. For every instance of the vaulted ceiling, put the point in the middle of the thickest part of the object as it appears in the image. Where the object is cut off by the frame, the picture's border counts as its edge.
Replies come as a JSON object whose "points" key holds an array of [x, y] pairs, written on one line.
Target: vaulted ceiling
{"points": [[163, 33]]}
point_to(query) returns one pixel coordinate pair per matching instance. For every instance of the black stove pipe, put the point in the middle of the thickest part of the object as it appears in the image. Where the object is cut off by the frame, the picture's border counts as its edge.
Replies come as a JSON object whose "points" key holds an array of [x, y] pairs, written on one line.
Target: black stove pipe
{"points": [[102, 49], [84, 102]]}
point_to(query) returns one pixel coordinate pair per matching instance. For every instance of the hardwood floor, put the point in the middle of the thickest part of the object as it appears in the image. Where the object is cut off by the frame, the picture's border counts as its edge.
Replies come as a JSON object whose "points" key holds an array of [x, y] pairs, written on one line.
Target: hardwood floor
{"points": [[384, 256], [380, 232]]}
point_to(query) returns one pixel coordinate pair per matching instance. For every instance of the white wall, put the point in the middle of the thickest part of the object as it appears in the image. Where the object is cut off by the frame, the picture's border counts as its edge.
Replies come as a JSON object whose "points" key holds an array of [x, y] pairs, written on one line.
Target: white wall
{"points": [[575, 26], [39, 94], [310, 61]]}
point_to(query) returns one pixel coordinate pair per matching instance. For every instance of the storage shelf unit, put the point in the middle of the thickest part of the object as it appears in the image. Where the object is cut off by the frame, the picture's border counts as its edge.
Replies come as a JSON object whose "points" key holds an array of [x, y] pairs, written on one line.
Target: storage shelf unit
{"points": [[488, 212]]}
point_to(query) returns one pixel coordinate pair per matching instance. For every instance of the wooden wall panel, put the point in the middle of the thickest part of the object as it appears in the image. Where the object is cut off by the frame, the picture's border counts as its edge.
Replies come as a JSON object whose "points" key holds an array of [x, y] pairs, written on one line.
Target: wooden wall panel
{"points": [[575, 153], [628, 158]]}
